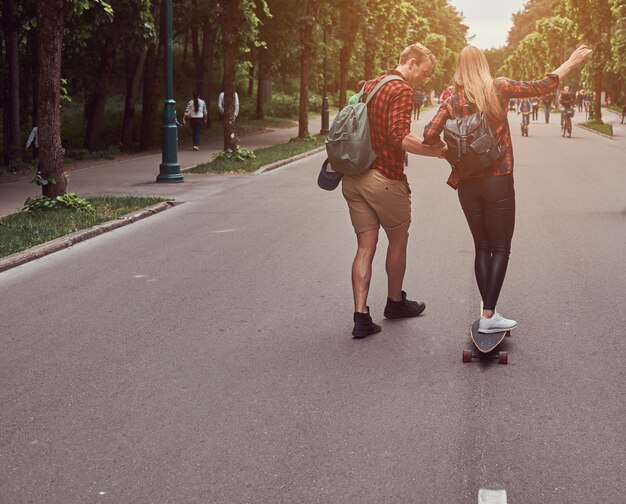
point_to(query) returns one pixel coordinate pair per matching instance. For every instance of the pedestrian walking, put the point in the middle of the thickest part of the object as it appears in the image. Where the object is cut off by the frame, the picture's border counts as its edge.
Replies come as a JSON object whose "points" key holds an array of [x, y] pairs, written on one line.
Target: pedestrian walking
{"points": [[418, 100], [534, 101], [488, 197], [196, 112], [381, 195], [220, 105], [580, 99], [547, 105]]}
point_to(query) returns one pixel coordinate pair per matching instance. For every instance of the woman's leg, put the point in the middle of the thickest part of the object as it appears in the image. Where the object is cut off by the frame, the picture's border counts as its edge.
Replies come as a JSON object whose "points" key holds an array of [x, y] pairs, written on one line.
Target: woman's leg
{"points": [[474, 209], [499, 194], [489, 207]]}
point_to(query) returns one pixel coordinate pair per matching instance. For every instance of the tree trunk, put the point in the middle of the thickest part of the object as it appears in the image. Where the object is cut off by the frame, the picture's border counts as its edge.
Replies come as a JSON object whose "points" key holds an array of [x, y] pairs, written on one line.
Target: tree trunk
{"points": [[195, 46], [209, 34], [251, 80], [152, 82], [344, 65], [310, 11], [134, 72], [230, 21], [260, 88], [369, 54], [12, 101], [597, 85], [50, 24], [98, 99]]}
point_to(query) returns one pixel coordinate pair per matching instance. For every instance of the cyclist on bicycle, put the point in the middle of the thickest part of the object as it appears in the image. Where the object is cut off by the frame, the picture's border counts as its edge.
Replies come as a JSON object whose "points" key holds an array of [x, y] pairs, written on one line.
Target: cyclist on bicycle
{"points": [[566, 100]]}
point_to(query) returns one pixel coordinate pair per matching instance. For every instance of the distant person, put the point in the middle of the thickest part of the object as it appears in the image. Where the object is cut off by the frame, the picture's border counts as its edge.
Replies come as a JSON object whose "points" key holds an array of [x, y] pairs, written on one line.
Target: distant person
{"points": [[355, 97], [220, 105], [525, 107], [566, 100], [196, 112], [623, 114], [580, 98], [547, 105], [33, 139], [418, 100], [488, 198], [534, 101]]}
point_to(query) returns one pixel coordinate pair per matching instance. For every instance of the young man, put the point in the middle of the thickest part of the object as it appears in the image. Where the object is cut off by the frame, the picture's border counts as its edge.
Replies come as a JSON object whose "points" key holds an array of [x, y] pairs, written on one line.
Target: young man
{"points": [[381, 195]]}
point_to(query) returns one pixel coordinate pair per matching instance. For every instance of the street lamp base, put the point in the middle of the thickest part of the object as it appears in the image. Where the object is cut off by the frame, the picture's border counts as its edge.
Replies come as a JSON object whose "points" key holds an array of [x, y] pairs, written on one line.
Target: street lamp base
{"points": [[169, 173]]}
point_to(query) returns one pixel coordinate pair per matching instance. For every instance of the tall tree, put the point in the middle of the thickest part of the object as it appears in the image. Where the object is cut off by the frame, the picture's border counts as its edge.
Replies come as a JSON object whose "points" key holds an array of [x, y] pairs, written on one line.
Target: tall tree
{"points": [[12, 87], [231, 19], [346, 31], [96, 103], [310, 10], [136, 42], [594, 20], [50, 25]]}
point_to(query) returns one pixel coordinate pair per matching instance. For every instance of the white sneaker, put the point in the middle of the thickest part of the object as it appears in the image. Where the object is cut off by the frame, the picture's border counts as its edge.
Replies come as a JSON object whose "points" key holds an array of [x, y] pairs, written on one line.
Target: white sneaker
{"points": [[497, 323]]}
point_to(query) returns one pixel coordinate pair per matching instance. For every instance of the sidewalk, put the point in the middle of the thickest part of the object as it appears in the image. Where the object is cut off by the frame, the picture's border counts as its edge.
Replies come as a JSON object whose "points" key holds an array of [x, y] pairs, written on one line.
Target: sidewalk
{"points": [[137, 176]]}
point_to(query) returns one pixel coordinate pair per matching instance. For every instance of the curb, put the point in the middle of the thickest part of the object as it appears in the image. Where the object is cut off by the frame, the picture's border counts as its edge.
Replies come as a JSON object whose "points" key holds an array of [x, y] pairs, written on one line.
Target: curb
{"points": [[283, 162], [67, 241], [594, 131]]}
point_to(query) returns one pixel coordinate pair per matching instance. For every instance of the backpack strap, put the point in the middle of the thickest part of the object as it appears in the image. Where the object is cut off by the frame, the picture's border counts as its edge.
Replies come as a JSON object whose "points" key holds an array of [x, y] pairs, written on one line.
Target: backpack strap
{"points": [[382, 82]]}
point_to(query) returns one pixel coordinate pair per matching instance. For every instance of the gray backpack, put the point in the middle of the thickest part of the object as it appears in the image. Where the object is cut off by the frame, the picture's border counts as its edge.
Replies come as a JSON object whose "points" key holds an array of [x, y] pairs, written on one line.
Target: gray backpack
{"points": [[472, 146], [348, 144]]}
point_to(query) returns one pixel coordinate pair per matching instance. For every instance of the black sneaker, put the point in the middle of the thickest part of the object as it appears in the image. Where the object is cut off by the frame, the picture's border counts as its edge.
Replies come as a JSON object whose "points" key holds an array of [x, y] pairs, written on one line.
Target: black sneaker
{"points": [[403, 308], [363, 325]]}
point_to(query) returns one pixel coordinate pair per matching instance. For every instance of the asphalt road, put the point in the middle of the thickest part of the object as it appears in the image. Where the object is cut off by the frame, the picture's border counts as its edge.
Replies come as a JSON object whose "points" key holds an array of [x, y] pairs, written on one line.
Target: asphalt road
{"points": [[204, 355]]}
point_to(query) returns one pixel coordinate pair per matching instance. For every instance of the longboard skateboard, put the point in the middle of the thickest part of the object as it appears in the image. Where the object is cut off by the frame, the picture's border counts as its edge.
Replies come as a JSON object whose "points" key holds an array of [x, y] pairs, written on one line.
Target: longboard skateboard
{"points": [[486, 345]]}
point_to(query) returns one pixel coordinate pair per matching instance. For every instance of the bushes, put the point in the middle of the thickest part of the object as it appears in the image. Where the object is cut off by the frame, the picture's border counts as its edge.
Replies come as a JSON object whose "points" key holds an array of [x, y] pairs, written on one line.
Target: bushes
{"points": [[285, 105]]}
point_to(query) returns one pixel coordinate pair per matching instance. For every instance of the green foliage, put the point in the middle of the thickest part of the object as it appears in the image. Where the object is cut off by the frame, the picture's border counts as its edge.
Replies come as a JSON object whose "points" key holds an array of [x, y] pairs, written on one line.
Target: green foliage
{"points": [[26, 229], [262, 157], [241, 154], [599, 126], [67, 200], [40, 180]]}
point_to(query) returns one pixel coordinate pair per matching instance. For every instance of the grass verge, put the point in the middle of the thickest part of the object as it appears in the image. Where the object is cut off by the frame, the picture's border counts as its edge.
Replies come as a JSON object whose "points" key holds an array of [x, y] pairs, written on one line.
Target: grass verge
{"points": [[599, 126], [23, 230], [262, 157]]}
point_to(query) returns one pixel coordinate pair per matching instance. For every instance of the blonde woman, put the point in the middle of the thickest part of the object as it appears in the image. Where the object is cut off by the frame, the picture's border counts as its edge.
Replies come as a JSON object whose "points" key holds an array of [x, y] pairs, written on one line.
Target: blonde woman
{"points": [[488, 197]]}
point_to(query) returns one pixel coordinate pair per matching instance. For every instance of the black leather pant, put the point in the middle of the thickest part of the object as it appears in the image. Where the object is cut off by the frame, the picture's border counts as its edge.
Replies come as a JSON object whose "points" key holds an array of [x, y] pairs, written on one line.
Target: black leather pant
{"points": [[489, 207]]}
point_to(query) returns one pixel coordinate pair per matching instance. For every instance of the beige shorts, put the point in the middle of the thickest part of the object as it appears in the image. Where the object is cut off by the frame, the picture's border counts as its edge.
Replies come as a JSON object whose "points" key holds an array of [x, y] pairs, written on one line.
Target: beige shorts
{"points": [[375, 201]]}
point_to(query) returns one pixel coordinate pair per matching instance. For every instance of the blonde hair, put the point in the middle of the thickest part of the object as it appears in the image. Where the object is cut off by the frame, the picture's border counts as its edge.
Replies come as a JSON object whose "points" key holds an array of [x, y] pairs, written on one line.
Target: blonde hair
{"points": [[473, 75]]}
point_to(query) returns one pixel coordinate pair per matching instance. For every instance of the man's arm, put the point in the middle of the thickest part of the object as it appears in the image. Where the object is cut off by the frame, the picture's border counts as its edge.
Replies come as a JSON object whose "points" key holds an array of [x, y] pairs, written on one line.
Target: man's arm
{"points": [[414, 144]]}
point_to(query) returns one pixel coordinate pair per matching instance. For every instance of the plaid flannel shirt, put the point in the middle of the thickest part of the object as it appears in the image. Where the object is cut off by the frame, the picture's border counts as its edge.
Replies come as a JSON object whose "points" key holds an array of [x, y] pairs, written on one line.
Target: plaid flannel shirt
{"points": [[389, 114], [506, 89]]}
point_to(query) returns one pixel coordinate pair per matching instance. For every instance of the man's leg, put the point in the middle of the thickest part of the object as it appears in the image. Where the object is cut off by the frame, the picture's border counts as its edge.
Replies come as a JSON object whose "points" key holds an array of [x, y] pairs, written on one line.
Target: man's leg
{"points": [[395, 264], [362, 268]]}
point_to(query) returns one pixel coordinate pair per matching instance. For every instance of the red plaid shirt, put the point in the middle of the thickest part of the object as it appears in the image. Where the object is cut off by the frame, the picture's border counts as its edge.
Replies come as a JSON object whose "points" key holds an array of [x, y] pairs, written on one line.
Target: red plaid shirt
{"points": [[389, 114], [506, 89]]}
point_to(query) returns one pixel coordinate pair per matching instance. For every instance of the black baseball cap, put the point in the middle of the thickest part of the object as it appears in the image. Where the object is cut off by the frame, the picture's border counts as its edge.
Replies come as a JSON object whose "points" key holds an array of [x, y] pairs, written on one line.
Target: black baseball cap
{"points": [[328, 179]]}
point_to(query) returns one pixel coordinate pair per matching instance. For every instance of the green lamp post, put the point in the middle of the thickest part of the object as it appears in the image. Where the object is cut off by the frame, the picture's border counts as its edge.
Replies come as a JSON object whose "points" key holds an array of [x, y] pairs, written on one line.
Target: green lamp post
{"points": [[169, 169]]}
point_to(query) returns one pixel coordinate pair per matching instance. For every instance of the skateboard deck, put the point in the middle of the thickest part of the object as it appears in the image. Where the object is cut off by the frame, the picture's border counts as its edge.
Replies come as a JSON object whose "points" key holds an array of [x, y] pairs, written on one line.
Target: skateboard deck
{"points": [[486, 343]]}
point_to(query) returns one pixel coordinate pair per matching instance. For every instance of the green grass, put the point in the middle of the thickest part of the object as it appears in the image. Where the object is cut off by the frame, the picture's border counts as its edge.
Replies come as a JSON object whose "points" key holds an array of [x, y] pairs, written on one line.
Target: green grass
{"points": [[263, 157], [599, 126], [26, 229]]}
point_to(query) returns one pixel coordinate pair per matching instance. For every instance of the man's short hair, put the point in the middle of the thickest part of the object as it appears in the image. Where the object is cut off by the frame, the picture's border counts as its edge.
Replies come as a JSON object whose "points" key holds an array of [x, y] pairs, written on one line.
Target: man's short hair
{"points": [[419, 52]]}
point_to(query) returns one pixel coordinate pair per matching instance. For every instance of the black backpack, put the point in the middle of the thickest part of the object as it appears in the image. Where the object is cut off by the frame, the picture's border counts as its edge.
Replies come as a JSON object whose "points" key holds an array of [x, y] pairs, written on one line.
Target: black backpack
{"points": [[472, 146]]}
